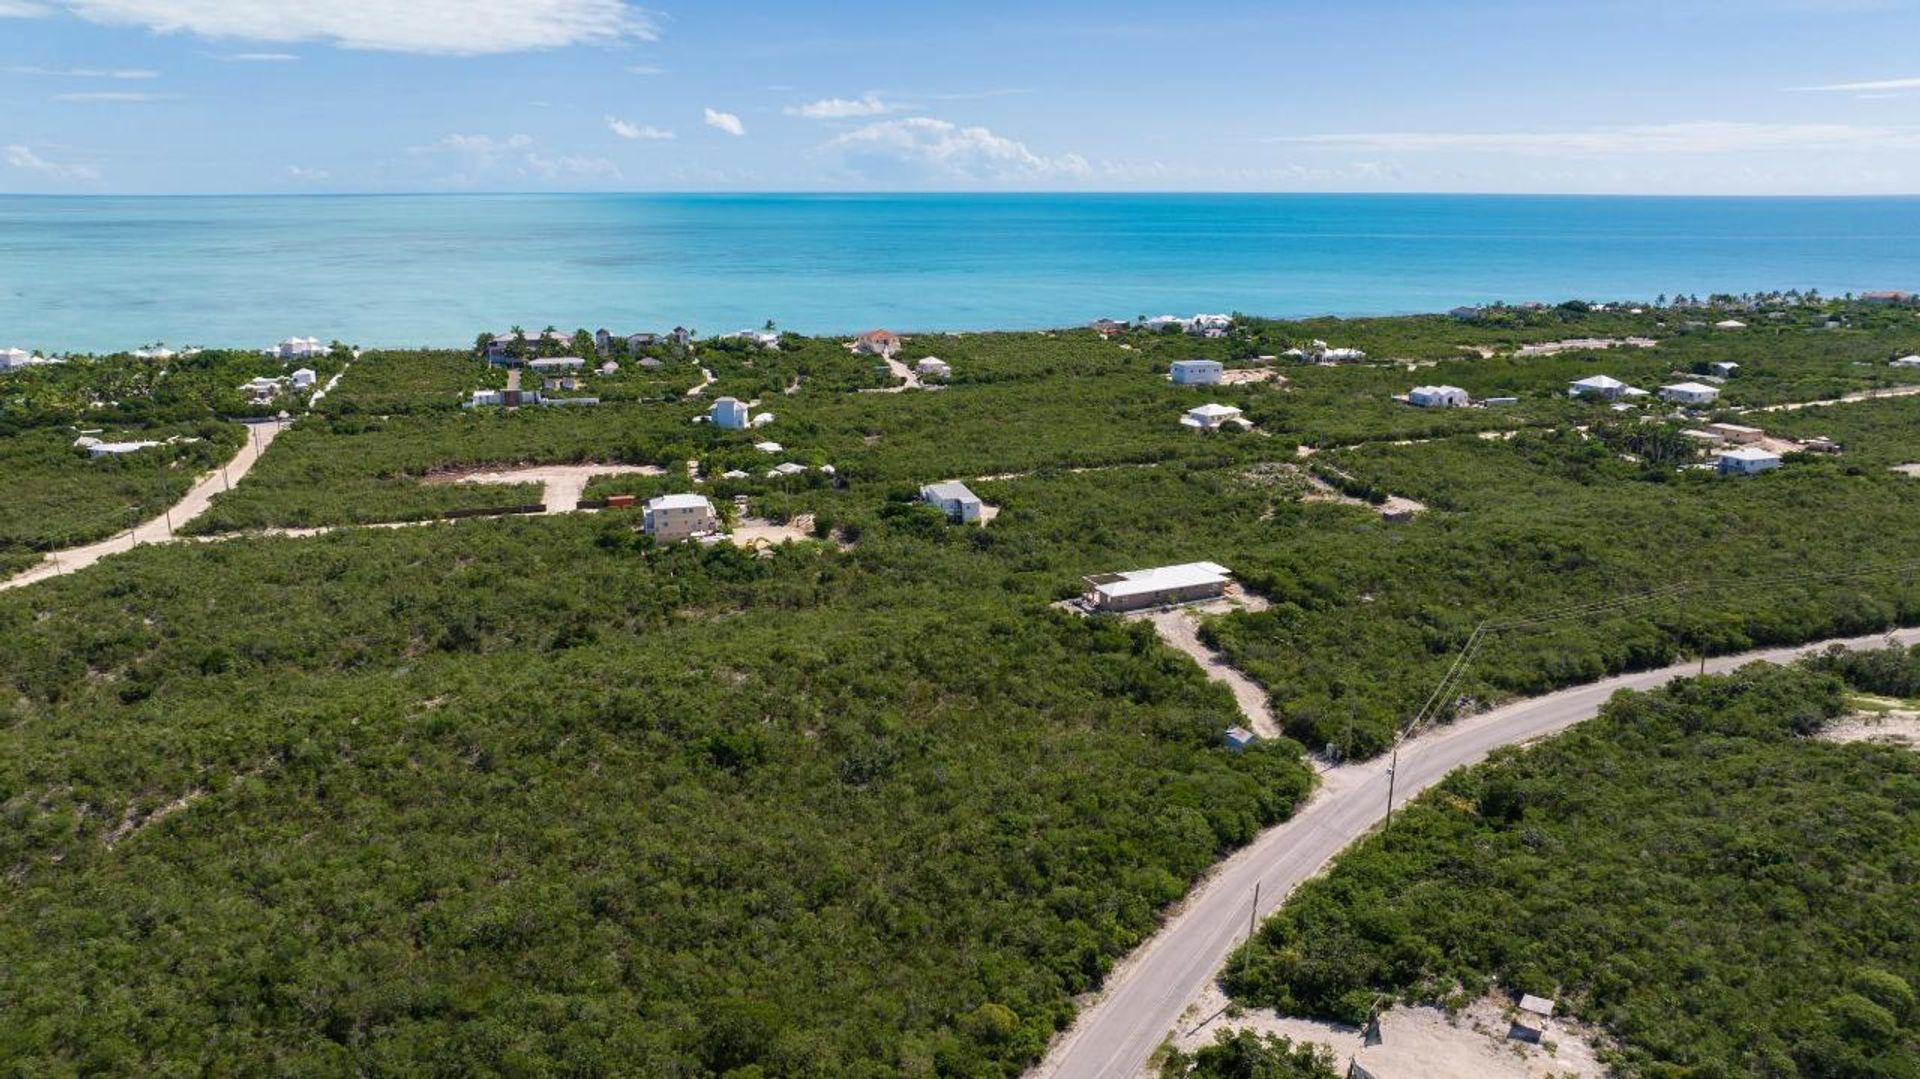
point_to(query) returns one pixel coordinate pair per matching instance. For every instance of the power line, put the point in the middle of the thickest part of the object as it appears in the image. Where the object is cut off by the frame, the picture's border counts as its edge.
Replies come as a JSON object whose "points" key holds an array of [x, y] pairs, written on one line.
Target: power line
{"points": [[1436, 701]]}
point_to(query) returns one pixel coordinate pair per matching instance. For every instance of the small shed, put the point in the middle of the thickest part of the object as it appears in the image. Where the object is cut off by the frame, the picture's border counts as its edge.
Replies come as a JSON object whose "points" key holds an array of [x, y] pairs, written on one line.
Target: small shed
{"points": [[1239, 738], [1211, 417], [1530, 1018]]}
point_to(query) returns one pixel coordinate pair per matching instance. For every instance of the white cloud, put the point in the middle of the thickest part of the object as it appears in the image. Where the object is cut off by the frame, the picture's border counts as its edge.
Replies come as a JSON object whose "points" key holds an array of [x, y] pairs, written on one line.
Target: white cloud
{"points": [[88, 72], [1705, 137], [726, 122], [482, 150], [840, 108], [947, 151], [299, 173], [21, 157], [628, 130], [262, 57], [442, 27], [571, 165], [645, 69], [1876, 85], [23, 9], [123, 97]]}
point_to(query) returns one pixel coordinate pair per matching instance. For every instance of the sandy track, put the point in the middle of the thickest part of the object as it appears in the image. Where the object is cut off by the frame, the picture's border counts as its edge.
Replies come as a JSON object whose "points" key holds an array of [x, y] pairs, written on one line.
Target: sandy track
{"points": [[1180, 629], [160, 529]]}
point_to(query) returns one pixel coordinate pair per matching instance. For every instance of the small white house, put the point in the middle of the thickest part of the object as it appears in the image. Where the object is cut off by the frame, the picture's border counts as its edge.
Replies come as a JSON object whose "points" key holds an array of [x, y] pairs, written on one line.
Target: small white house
{"points": [[934, 368], [763, 338], [155, 353], [729, 413], [1605, 387], [486, 399], [1138, 589], [1210, 325], [261, 389], [13, 358], [1162, 323], [557, 363], [1195, 372], [761, 420], [1438, 397], [1724, 368], [1211, 417], [1745, 461], [304, 377], [1730, 324], [1690, 393], [1906, 361], [300, 348], [785, 469], [954, 499], [677, 517], [1342, 355]]}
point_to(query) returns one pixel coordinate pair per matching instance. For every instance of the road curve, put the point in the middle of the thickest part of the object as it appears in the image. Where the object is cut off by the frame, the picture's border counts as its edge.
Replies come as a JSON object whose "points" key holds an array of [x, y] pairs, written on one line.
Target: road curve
{"points": [[160, 529], [1147, 992]]}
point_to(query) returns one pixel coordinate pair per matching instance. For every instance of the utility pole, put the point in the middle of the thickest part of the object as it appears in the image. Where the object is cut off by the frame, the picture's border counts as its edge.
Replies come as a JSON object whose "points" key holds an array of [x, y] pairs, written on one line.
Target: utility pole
{"points": [[1393, 770], [1253, 915]]}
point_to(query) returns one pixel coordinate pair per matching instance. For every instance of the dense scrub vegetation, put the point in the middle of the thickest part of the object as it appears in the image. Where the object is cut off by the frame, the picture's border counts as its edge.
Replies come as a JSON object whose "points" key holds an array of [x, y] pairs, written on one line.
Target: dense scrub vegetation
{"points": [[1243, 1054], [1726, 895], [540, 796]]}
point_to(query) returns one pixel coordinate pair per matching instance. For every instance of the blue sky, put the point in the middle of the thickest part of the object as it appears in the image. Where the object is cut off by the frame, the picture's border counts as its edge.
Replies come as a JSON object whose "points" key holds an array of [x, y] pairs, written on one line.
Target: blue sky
{"points": [[1624, 96]]}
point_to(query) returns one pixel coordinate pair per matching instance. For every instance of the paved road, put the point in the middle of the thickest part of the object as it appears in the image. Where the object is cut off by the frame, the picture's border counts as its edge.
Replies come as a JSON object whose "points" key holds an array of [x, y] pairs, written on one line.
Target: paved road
{"points": [[1148, 991], [161, 528]]}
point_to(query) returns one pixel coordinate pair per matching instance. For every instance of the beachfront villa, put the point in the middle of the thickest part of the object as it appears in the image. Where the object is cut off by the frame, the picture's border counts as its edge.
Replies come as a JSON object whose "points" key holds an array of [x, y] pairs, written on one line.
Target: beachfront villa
{"points": [[1690, 393], [1438, 397], [299, 348], [1212, 417], [12, 359], [882, 343], [1196, 372], [729, 413]]}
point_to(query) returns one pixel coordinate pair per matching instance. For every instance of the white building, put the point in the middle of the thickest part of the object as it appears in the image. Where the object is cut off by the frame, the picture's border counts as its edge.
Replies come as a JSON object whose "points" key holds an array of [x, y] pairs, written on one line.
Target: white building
{"points": [[155, 353], [763, 338], [1605, 387], [304, 377], [1162, 323], [96, 448], [677, 517], [558, 363], [1210, 417], [1724, 368], [1438, 397], [1906, 361], [761, 420], [1730, 324], [1690, 393], [729, 413], [487, 399], [1745, 461], [1195, 372], [954, 499], [1341, 355], [261, 389], [784, 469], [1137, 589], [15, 358], [300, 348], [934, 368]]}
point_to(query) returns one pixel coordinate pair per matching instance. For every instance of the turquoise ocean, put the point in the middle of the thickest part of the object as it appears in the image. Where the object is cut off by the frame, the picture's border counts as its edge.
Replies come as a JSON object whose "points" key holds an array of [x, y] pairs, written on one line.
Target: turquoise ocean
{"points": [[107, 273]]}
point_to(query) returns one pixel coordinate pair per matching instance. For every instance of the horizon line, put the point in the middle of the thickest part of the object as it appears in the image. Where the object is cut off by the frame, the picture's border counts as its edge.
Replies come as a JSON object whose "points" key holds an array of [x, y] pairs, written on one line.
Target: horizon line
{"points": [[947, 193]]}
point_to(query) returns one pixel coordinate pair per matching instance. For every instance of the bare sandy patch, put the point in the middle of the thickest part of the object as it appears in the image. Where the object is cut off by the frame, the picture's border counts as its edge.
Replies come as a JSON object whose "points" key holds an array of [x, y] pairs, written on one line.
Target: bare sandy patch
{"points": [[1892, 726], [563, 483], [760, 534], [1417, 1041], [1246, 376], [1572, 344]]}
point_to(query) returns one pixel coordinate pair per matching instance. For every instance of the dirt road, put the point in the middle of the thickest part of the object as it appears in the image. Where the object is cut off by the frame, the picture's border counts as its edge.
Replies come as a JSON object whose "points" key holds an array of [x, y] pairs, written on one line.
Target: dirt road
{"points": [[161, 528]]}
